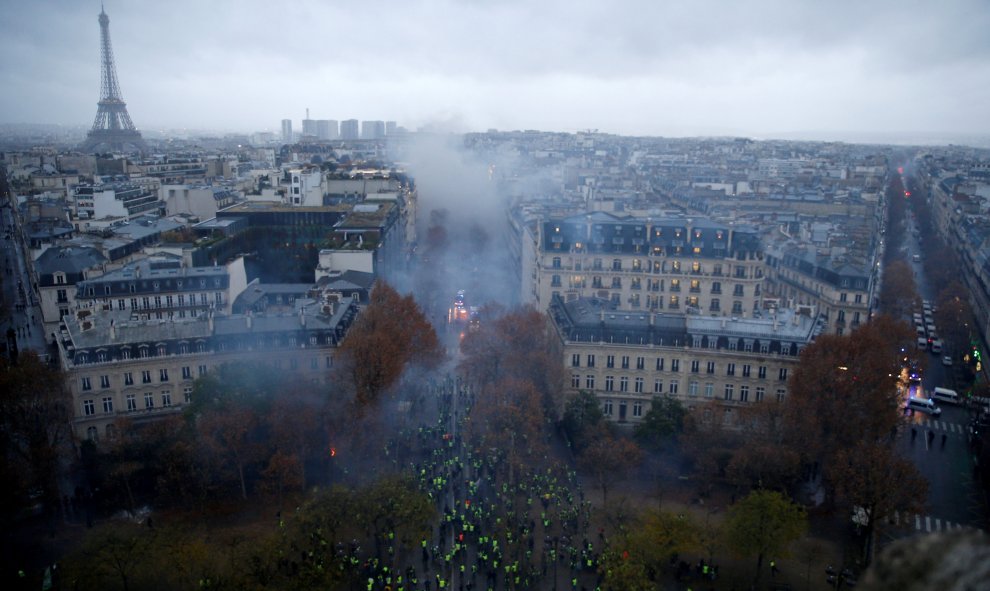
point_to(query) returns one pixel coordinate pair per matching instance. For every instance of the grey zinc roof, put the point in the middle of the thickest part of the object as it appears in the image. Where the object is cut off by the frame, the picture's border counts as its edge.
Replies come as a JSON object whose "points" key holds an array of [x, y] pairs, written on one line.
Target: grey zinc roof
{"points": [[68, 259]]}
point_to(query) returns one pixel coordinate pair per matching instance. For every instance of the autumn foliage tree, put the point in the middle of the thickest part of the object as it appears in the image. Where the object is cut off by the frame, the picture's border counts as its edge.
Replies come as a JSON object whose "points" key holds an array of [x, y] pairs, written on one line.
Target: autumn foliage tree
{"points": [[507, 418], [608, 460], [763, 524], [35, 410], [519, 344], [387, 336], [844, 389], [899, 292], [877, 481]]}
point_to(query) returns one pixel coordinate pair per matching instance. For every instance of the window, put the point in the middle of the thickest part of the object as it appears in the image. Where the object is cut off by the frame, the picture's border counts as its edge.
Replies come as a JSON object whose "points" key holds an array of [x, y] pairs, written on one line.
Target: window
{"points": [[329, 361], [843, 297], [695, 366], [556, 262], [737, 291], [782, 374], [744, 393], [610, 361], [128, 379], [163, 375], [625, 362], [764, 347], [638, 386], [658, 386], [692, 388], [746, 370], [131, 402], [218, 297], [716, 287], [674, 384], [609, 383], [186, 372], [675, 285], [107, 405], [675, 365], [675, 302], [589, 382], [166, 399], [168, 301], [607, 408], [575, 380], [86, 385], [149, 400], [104, 381], [659, 363], [762, 372], [187, 394], [760, 392], [781, 393], [730, 369], [637, 409], [709, 390], [640, 363], [623, 384], [89, 408], [748, 345], [591, 361], [202, 370], [314, 363], [737, 307], [92, 434], [729, 391], [576, 360]]}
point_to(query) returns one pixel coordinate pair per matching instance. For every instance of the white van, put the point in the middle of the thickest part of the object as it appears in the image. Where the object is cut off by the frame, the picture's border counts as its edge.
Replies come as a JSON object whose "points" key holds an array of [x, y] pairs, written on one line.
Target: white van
{"points": [[925, 405], [945, 395], [936, 346], [922, 343]]}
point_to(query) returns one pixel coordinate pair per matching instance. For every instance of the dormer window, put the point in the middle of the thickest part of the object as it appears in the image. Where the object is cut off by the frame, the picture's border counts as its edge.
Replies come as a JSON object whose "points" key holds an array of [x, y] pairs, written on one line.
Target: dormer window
{"points": [[59, 278]]}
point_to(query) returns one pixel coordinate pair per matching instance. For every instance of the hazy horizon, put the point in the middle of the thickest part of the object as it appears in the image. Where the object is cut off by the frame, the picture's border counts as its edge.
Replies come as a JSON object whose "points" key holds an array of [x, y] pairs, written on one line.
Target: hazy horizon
{"points": [[765, 69]]}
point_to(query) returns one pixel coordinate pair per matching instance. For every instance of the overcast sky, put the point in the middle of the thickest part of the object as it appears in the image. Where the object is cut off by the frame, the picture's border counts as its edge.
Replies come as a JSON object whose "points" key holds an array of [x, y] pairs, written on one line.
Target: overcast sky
{"points": [[695, 67]]}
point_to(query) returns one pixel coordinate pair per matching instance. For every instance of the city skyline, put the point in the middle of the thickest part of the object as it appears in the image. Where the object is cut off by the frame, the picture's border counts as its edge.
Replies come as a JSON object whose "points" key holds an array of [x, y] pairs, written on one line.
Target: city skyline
{"points": [[880, 72]]}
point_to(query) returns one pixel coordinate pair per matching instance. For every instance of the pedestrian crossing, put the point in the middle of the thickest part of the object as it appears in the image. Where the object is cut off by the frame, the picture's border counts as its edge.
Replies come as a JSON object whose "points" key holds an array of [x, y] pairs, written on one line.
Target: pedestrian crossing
{"points": [[942, 427], [926, 523]]}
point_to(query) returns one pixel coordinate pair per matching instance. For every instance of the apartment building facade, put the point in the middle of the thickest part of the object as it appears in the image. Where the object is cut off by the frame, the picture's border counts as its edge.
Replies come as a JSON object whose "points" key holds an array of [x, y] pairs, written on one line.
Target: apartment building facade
{"points": [[627, 357], [675, 265], [117, 367]]}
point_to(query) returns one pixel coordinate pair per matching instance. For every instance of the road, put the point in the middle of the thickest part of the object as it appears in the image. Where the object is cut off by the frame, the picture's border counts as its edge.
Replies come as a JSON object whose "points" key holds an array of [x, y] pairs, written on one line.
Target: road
{"points": [[24, 315], [943, 457]]}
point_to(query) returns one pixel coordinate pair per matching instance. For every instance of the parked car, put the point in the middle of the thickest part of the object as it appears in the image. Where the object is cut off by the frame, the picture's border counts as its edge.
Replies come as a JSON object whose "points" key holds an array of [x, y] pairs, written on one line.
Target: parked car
{"points": [[947, 360]]}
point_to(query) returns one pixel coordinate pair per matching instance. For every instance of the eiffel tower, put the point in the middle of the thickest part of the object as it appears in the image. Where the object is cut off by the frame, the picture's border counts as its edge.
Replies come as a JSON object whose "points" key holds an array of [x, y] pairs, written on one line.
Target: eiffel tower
{"points": [[112, 128]]}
